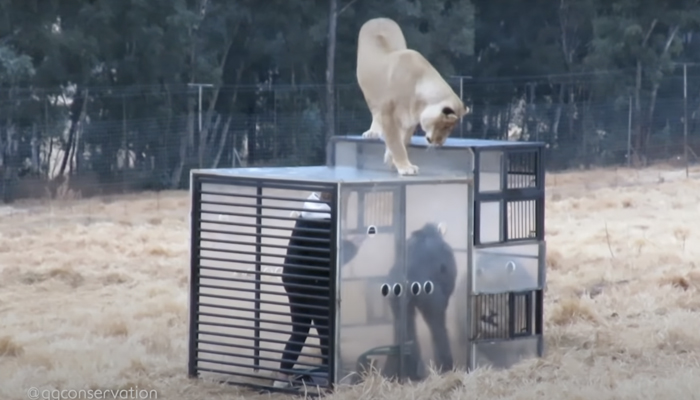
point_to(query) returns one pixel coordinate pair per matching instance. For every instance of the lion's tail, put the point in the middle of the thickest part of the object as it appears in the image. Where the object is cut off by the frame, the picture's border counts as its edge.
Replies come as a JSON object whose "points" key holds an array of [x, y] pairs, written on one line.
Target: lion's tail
{"points": [[380, 35]]}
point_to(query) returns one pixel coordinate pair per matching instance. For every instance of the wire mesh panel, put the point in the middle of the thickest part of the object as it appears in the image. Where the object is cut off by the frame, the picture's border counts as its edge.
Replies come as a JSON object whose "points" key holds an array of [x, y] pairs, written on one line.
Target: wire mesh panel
{"points": [[503, 315], [522, 219], [509, 205], [263, 282], [522, 169]]}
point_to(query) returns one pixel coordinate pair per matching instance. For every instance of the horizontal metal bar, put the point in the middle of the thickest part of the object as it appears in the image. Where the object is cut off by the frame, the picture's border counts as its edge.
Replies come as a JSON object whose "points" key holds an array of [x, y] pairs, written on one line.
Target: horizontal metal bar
{"points": [[511, 195], [301, 296], [281, 265], [234, 326], [265, 183], [262, 388], [235, 289], [275, 246], [261, 263], [253, 272], [243, 215], [262, 339], [251, 319], [262, 358], [239, 365], [263, 235], [248, 310], [240, 224], [263, 197], [255, 253], [251, 235], [288, 390], [234, 223], [302, 200], [292, 285], [267, 302]]}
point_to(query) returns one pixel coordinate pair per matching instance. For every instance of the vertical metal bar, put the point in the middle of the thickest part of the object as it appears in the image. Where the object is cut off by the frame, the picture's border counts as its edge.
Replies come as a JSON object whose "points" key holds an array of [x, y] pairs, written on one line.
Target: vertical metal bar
{"points": [[334, 295], [471, 240], [539, 218], [401, 239], [195, 215], [529, 300], [330, 152], [539, 320], [258, 277], [475, 204], [505, 166], [200, 109]]}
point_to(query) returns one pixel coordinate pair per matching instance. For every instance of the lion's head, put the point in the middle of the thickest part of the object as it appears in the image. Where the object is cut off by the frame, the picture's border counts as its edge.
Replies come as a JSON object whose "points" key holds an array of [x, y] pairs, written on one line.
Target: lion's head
{"points": [[439, 121]]}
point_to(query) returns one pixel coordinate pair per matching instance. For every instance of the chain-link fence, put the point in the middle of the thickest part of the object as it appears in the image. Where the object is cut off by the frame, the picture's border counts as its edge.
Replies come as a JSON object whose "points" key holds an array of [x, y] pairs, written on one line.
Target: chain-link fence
{"points": [[103, 140]]}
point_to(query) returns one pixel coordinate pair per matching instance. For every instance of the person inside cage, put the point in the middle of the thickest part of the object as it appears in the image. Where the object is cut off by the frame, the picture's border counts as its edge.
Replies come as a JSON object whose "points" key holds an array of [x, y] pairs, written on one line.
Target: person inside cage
{"points": [[306, 280]]}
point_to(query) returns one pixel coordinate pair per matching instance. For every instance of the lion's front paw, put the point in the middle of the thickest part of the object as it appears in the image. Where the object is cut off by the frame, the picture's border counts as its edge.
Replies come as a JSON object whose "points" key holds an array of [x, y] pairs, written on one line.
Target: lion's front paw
{"points": [[407, 169], [370, 134]]}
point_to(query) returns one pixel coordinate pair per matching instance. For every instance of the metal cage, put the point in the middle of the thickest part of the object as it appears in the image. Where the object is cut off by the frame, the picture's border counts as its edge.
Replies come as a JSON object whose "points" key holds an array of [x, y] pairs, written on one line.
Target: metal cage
{"points": [[245, 223], [504, 290]]}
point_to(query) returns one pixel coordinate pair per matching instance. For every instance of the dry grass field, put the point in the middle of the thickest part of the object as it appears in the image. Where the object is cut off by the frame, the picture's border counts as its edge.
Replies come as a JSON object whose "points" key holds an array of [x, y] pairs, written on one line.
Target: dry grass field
{"points": [[93, 294]]}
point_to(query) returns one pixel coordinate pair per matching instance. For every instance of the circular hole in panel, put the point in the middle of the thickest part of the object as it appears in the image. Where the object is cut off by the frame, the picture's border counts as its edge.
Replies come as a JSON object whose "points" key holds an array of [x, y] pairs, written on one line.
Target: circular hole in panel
{"points": [[371, 230], [510, 266], [415, 288], [397, 289], [428, 287], [385, 289]]}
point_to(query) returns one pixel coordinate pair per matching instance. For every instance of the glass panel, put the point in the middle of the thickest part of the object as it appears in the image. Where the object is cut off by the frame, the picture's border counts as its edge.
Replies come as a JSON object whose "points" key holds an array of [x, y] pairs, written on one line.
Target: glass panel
{"points": [[506, 269], [437, 229], [490, 171], [345, 154], [367, 252], [490, 222]]}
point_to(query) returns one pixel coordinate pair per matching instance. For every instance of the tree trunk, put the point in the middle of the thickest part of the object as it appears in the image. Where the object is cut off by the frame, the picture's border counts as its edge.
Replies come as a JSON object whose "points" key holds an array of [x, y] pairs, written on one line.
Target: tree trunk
{"points": [[75, 117], [222, 142], [654, 91], [557, 116]]}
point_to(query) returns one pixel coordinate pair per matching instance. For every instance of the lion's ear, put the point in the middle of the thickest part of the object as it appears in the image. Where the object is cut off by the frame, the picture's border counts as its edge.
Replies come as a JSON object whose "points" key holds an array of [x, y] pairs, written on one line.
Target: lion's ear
{"points": [[449, 114]]}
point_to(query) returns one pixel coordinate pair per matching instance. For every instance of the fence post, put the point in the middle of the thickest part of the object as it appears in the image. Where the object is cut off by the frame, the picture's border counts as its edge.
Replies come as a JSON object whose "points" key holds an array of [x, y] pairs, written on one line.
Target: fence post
{"points": [[629, 133], [685, 117]]}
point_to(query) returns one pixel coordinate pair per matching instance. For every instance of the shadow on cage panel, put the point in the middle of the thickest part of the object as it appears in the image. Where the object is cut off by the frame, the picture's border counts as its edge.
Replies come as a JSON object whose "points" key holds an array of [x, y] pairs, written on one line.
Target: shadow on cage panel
{"points": [[306, 280], [430, 261]]}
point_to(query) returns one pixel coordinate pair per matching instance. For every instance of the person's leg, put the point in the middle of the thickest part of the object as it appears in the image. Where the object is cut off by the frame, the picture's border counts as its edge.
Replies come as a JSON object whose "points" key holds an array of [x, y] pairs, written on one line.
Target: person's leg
{"points": [[320, 321], [301, 324]]}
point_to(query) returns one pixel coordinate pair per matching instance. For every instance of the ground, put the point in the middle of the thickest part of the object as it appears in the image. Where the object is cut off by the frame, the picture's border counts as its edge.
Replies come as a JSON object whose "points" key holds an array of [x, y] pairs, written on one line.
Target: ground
{"points": [[93, 294]]}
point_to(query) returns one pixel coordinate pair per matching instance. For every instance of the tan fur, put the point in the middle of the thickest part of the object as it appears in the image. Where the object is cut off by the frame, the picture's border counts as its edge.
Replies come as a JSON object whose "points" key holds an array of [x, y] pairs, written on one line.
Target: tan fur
{"points": [[402, 90]]}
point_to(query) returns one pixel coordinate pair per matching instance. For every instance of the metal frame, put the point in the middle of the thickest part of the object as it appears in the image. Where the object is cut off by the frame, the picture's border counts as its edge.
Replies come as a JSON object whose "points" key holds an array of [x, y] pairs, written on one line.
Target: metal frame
{"points": [[534, 298], [507, 195], [197, 180]]}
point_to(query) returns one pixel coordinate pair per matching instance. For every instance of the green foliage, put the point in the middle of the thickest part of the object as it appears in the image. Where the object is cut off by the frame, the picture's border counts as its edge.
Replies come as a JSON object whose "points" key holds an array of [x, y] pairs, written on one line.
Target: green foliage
{"points": [[123, 67]]}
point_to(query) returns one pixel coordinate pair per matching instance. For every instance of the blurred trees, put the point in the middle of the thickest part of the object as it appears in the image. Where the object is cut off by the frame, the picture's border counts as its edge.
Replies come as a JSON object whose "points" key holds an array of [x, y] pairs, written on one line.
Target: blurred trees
{"points": [[107, 91]]}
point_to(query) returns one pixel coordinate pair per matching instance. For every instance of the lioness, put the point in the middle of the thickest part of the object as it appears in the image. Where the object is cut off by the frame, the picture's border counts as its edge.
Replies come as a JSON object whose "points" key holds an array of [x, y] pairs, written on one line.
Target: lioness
{"points": [[402, 89]]}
